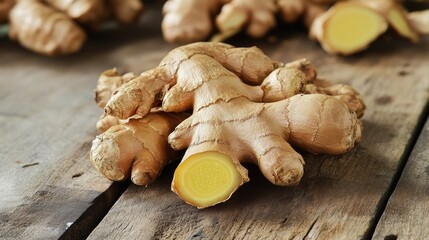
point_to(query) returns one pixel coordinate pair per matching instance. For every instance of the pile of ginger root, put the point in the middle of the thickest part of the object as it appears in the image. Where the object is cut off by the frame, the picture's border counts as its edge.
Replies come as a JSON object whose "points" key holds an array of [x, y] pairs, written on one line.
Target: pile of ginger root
{"points": [[225, 106], [58, 27], [345, 27], [341, 27]]}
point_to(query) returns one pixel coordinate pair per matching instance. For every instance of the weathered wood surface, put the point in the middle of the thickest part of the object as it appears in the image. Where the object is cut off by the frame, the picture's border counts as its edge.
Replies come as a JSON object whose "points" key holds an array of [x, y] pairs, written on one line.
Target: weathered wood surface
{"points": [[338, 198], [406, 215], [48, 187], [47, 116], [47, 124]]}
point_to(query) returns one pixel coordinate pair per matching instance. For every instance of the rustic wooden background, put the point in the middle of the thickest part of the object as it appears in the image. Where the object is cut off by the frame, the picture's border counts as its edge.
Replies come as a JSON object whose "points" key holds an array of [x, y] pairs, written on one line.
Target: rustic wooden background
{"points": [[49, 190]]}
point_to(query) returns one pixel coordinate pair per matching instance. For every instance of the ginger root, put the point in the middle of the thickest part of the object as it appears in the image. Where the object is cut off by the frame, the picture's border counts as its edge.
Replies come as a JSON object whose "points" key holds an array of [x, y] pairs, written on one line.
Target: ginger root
{"points": [[44, 30], [136, 148], [243, 111], [258, 17], [188, 20], [56, 27], [108, 82], [193, 20], [82, 11], [395, 15], [350, 26], [238, 130], [341, 27]]}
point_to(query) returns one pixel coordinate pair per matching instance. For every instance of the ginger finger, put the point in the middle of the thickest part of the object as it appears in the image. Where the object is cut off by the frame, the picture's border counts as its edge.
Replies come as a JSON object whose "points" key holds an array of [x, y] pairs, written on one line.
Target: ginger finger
{"points": [[83, 11], [188, 20], [277, 160], [56, 27], [235, 15], [291, 10], [306, 67], [283, 83], [140, 94], [107, 83], [105, 122], [126, 11], [44, 30], [137, 148], [343, 92]]}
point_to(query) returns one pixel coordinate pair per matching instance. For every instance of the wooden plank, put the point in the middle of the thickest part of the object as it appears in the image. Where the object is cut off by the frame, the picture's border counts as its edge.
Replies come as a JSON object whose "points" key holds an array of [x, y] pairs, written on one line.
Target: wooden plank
{"points": [[338, 197], [406, 215], [47, 124], [48, 187]]}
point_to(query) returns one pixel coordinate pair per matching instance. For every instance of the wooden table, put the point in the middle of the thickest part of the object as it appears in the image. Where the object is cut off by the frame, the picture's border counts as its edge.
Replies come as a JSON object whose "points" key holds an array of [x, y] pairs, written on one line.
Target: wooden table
{"points": [[48, 188]]}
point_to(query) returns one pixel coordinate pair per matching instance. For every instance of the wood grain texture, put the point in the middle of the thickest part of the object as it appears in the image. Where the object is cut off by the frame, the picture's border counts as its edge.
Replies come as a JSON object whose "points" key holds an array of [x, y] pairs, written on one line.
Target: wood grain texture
{"points": [[47, 121], [338, 197], [405, 216], [48, 187]]}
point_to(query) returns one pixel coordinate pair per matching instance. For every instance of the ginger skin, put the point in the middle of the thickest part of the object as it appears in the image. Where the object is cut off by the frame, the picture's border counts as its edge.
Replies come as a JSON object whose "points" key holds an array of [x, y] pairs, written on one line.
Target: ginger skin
{"points": [[139, 95], [53, 27], [234, 122], [239, 14], [108, 82], [126, 11], [188, 20], [341, 27], [137, 148], [44, 30], [183, 23], [82, 11], [326, 125]]}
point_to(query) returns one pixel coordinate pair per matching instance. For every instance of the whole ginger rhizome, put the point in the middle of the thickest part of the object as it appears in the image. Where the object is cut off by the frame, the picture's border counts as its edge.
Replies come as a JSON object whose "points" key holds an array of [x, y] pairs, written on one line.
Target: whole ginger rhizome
{"points": [[245, 107]]}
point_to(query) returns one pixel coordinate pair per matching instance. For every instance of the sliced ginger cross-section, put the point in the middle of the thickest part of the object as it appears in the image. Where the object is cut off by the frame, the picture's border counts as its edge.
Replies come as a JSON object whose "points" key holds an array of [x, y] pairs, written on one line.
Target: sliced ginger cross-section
{"points": [[348, 28], [207, 178]]}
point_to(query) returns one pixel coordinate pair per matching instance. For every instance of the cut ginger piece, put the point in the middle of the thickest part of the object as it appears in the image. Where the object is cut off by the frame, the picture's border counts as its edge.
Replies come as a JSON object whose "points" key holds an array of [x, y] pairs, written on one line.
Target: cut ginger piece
{"points": [[206, 178], [398, 20], [396, 15], [348, 27]]}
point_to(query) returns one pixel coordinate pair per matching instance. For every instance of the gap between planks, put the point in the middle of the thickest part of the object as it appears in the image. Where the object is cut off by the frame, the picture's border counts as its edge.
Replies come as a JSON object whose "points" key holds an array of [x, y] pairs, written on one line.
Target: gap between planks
{"points": [[402, 163], [90, 219]]}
